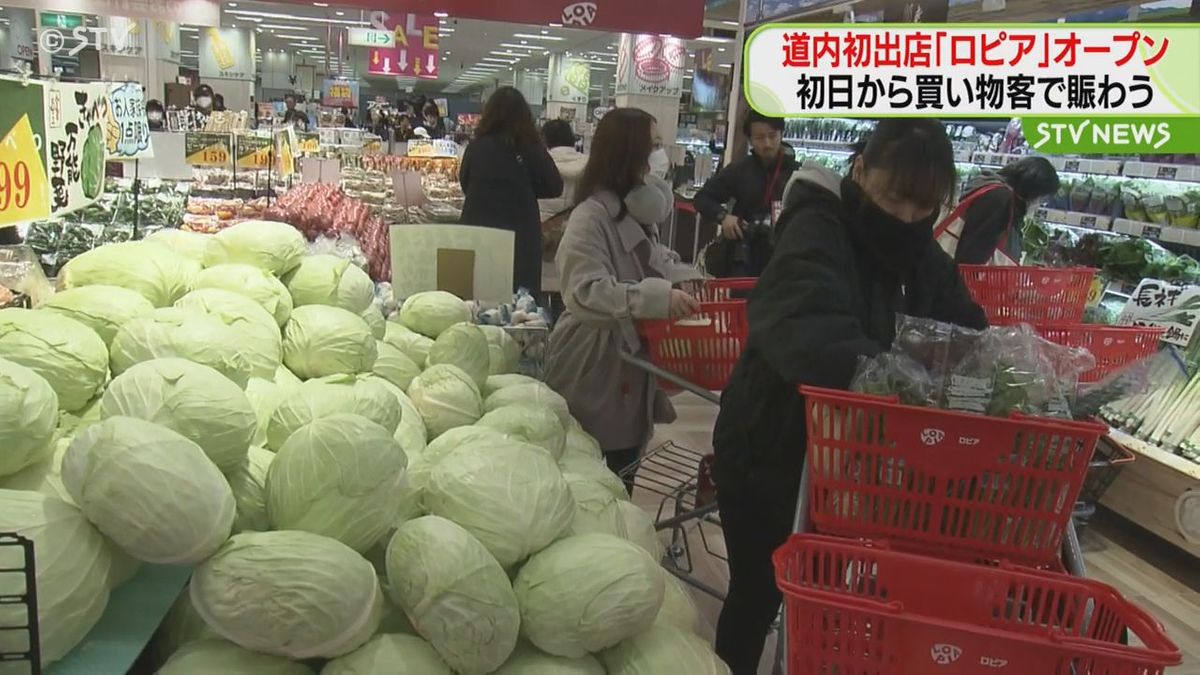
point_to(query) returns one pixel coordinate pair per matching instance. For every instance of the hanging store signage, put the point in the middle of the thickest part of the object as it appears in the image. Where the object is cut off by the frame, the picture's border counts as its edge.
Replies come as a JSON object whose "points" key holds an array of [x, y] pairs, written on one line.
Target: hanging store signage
{"points": [[339, 93], [436, 147], [204, 148], [570, 80], [164, 35], [285, 151], [684, 18], [24, 190], [415, 51], [252, 152], [75, 147], [194, 12], [308, 142], [126, 129], [227, 53], [122, 36], [651, 65], [370, 37], [1163, 305]]}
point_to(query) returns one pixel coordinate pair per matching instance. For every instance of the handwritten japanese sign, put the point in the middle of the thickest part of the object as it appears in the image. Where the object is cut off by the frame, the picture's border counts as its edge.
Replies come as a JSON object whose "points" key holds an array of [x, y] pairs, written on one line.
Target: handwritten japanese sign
{"points": [[808, 69], [425, 147], [650, 65], [76, 115], [126, 130], [1163, 305], [339, 93]]}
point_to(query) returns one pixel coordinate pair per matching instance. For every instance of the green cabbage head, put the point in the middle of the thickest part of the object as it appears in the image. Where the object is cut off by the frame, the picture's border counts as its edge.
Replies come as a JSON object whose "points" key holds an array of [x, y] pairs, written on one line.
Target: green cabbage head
{"points": [[586, 593], [220, 656], [190, 245], [150, 490], [530, 393], [504, 353], [258, 335], [414, 345], [529, 660], [456, 594], [157, 273], [72, 569], [638, 528], [446, 398], [322, 340], [462, 345], [394, 366], [196, 401], [174, 332], [393, 654], [341, 476], [292, 594], [678, 608], [597, 511], [274, 247], [252, 282], [330, 280], [373, 315], [319, 398], [69, 355], [249, 485], [421, 464], [497, 382], [663, 649], [104, 309], [509, 494], [28, 417], [530, 423], [432, 312]]}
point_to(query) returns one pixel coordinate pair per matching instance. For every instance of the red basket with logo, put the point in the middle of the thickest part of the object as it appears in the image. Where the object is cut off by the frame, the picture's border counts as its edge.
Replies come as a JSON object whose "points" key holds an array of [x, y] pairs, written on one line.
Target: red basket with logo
{"points": [[1029, 294], [856, 607], [944, 483], [724, 290], [703, 349], [1113, 346]]}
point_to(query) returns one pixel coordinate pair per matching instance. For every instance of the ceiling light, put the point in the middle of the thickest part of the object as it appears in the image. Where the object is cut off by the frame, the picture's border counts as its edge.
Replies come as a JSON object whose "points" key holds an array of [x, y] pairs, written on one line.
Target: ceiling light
{"points": [[241, 13], [726, 65], [340, 13], [710, 38], [273, 26], [441, 22], [721, 49], [190, 29], [531, 36], [730, 23], [441, 15], [496, 60], [320, 4], [498, 52], [231, 4]]}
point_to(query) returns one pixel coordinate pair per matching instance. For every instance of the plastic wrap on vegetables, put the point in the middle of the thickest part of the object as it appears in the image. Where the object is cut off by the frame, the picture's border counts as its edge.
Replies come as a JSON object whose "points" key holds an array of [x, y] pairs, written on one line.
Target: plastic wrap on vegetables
{"points": [[894, 374]]}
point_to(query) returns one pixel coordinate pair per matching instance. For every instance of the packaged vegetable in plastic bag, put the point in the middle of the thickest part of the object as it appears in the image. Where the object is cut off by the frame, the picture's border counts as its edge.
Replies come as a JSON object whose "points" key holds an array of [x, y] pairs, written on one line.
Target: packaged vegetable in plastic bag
{"points": [[894, 374]]}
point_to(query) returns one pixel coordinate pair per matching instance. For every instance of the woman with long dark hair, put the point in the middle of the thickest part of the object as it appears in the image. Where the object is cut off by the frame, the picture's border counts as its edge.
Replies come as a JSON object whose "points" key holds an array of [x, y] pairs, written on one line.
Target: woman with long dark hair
{"points": [[505, 170], [854, 251], [613, 272]]}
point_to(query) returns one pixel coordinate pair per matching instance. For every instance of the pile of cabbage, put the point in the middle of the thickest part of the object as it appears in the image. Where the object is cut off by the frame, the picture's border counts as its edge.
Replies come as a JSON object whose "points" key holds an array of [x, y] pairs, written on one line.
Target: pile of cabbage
{"points": [[356, 495]]}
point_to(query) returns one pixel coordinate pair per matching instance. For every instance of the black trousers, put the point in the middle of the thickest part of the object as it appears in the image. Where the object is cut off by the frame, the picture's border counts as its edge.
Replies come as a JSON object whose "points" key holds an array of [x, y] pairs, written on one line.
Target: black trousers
{"points": [[618, 460], [754, 525]]}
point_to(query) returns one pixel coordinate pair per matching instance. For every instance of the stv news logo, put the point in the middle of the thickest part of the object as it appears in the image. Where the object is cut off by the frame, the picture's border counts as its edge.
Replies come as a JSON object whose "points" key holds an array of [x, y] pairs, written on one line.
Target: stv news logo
{"points": [[54, 40]]}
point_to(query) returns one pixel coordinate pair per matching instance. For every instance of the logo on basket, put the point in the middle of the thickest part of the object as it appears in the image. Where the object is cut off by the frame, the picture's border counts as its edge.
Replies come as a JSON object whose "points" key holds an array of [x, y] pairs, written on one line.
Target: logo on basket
{"points": [[944, 655], [991, 662], [932, 436]]}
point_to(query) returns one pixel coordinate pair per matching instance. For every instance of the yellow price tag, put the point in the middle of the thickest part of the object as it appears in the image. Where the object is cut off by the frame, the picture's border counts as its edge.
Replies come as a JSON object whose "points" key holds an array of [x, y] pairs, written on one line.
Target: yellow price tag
{"points": [[207, 149], [1096, 292], [24, 191]]}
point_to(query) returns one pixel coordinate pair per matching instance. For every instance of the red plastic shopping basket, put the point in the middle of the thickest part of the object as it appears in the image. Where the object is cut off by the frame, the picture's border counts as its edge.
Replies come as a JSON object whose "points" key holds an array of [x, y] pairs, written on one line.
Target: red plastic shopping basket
{"points": [[1029, 294], [722, 290], [865, 609], [1113, 346], [702, 350], [949, 484]]}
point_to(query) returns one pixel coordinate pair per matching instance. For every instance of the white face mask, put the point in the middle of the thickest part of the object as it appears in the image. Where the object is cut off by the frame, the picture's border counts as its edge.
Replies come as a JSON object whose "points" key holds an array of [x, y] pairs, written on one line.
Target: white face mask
{"points": [[203, 102], [154, 116], [660, 164]]}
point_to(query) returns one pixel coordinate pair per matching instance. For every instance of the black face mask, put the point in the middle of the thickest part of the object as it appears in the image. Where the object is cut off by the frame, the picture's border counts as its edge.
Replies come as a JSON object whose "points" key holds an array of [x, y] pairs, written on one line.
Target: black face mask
{"points": [[897, 245]]}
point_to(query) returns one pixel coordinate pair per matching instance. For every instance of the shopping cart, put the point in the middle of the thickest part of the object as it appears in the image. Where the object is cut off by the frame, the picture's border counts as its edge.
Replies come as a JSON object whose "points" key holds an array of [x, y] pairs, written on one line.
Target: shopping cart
{"points": [[951, 494], [695, 356], [20, 640], [1029, 294]]}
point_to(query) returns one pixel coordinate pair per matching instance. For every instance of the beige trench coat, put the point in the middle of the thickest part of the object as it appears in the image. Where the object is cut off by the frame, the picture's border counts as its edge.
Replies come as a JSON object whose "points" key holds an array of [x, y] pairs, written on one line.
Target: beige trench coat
{"points": [[612, 273]]}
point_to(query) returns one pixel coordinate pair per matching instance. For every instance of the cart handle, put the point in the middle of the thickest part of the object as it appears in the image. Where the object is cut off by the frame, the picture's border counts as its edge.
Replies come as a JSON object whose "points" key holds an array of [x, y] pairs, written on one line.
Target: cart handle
{"points": [[890, 607], [1145, 627], [1127, 456]]}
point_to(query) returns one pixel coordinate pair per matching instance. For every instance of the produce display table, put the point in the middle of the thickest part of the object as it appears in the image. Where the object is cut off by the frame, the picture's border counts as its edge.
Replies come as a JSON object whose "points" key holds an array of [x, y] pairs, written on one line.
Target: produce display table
{"points": [[1155, 491], [134, 612]]}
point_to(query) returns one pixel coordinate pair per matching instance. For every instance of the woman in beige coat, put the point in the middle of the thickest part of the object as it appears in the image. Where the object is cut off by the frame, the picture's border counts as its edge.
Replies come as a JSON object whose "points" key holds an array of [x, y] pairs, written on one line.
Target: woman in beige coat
{"points": [[614, 271]]}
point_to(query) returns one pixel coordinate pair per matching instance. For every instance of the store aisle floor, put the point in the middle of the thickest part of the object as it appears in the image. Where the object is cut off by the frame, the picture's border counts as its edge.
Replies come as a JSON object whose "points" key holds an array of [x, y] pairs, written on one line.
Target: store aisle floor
{"points": [[1156, 576]]}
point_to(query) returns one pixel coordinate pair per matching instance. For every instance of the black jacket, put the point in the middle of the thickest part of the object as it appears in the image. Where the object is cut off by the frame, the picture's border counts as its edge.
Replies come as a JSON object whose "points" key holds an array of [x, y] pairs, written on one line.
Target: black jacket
{"points": [[827, 297], [502, 186], [745, 181], [987, 219]]}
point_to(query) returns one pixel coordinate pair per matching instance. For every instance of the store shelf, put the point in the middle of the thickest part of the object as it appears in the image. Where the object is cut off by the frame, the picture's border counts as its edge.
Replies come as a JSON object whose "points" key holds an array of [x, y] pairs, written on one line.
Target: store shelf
{"points": [[1090, 221], [1163, 233], [1148, 491], [134, 612], [1179, 172], [839, 147]]}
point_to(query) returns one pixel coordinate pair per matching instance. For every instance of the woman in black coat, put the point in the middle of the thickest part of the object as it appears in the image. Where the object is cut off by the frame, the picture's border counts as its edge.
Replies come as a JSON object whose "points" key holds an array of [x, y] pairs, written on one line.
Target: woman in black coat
{"points": [[856, 250], [505, 170]]}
